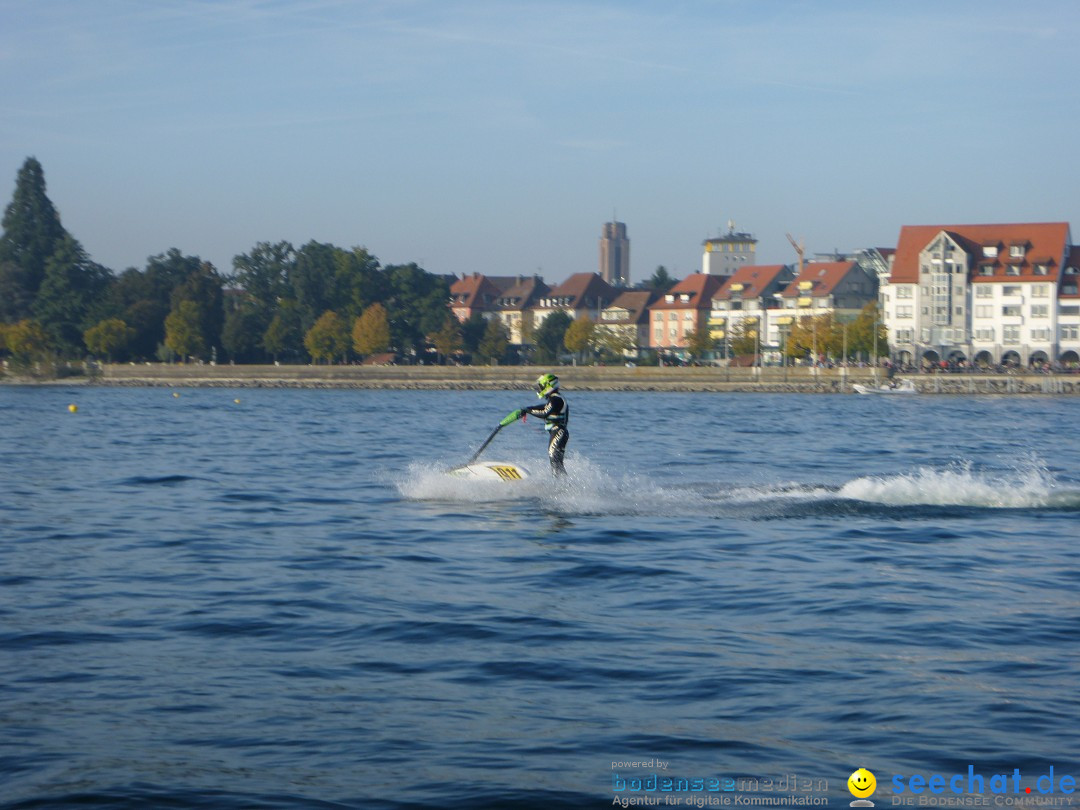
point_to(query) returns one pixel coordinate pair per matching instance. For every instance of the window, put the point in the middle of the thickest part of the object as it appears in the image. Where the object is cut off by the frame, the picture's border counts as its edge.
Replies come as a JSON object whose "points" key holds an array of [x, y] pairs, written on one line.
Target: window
{"points": [[673, 332], [986, 270], [903, 312], [689, 316], [925, 290], [1070, 333], [673, 316], [1071, 271], [1040, 334], [1012, 270], [1041, 269], [669, 298], [903, 292], [1040, 311], [984, 311], [1017, 251], [905, 335], [658, 335], [1040, 290], [984, 334], [1010, 334], [990, 251], [1011, 310], [959, 310], [984, 291], [659, 316], [1069, 311], [1010, 290], [1068, 289]]}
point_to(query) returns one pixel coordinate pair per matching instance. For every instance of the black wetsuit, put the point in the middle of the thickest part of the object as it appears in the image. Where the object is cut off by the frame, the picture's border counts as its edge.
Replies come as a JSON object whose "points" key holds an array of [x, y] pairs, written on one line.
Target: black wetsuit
{"points": [[556, 415]]}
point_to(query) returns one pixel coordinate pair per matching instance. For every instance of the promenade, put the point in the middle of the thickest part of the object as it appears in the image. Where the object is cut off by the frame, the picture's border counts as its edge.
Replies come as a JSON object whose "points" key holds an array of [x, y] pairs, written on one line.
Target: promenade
{"points": [[582, 378]]}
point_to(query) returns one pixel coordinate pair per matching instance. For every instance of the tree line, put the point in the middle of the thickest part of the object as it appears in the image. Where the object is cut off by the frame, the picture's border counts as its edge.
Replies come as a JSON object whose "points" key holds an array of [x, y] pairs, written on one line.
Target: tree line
{"points": [[316, 302]]}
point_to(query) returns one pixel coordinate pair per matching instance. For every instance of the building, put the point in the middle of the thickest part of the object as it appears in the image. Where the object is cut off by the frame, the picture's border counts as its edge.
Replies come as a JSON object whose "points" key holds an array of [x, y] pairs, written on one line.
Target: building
{"points": [[476, 294], [724, 255], [627, 321], [514, 307], [615, 254], [683, 309], [750, 302], [984, 294], [581, 295]]}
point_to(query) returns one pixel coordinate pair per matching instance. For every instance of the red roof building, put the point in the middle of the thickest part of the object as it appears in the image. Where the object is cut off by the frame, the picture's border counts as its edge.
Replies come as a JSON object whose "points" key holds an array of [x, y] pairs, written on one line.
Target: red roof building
{"points": [[683, 309]]}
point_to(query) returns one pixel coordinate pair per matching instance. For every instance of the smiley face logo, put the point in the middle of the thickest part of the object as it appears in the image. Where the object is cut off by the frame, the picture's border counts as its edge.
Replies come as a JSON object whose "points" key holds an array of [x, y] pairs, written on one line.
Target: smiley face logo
{"points": [[862, 783]]}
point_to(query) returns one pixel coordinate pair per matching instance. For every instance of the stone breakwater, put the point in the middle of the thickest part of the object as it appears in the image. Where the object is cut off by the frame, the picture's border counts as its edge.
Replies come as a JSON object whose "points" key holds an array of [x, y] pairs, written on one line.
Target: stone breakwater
{"points": [[584, 378]]}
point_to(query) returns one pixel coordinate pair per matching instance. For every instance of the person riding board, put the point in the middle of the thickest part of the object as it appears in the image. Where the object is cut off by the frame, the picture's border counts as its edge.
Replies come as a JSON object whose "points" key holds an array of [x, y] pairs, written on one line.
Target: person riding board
{"points": [[556, 415]]}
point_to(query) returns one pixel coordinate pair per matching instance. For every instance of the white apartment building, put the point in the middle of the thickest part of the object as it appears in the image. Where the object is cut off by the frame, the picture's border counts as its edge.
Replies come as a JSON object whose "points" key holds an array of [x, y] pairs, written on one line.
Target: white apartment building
{"points": [[983, 294]]}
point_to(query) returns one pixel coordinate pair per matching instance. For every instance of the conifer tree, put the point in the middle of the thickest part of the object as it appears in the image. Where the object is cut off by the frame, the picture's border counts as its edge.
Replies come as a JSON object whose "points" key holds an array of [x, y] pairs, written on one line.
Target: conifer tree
{"points": [[32, 232]]}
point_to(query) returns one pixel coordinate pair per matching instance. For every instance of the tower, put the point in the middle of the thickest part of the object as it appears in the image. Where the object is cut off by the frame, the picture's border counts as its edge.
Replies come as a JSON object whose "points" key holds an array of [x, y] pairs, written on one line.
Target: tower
{"points": [[615, 254], [726, 254]]}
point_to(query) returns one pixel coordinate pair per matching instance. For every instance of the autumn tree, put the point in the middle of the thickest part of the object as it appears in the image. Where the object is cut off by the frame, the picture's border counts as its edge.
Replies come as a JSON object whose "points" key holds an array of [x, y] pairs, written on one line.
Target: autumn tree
{"points": [[699, 342], [371, 331], [579, 335], [860, 336], [183, 331], [27, 343], [327, 338], [742, 339], [108, 337], [448, 339]]}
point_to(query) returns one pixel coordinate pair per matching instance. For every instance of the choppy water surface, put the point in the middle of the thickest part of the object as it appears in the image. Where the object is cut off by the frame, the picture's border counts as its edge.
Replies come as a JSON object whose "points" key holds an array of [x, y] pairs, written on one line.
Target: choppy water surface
{"points": [[282, 602]]}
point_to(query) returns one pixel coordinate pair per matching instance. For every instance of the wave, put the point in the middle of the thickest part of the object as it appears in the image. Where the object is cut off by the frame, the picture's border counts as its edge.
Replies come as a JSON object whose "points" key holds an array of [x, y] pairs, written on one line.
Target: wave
{"points": [[960, 488]]}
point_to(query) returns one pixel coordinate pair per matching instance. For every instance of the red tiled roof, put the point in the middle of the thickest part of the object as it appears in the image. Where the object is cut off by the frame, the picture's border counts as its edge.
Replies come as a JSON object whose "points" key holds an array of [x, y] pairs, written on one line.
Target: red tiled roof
{"points": [[754, 278], [584, 290], [1042, 239], [701, 288], [636, 302], [823, 276]]}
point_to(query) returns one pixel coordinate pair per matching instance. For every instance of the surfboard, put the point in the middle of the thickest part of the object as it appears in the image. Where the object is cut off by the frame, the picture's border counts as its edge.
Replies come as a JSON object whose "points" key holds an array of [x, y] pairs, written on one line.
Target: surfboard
{"points": [[491, 471]]}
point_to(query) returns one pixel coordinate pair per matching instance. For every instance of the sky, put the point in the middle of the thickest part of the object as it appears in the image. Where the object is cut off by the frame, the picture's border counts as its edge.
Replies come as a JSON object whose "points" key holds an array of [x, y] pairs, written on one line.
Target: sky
{"points": [[498, 136]]}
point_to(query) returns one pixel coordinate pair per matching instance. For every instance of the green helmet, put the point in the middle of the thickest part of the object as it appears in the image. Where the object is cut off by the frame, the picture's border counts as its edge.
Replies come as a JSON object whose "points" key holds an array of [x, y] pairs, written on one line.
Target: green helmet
{"points": [[545, 384]]}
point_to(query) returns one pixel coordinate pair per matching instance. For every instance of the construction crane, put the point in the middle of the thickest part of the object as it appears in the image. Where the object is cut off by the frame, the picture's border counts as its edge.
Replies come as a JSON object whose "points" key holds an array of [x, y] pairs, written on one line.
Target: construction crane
{"points": [[800, 248]]}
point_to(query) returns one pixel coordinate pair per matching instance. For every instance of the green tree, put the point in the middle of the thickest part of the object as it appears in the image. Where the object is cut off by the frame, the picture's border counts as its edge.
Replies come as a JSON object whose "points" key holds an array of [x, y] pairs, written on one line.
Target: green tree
{"points": [[660, 280], [108, 337], [448, 339], [548, 337], [578, 336], [183, 331], [416, 305], [202, 286], [371, 331], [242, 334], [327, 338], [71, 286], [495, 343], [283, 336], [264, 273], [472, 332], [32, 232]]}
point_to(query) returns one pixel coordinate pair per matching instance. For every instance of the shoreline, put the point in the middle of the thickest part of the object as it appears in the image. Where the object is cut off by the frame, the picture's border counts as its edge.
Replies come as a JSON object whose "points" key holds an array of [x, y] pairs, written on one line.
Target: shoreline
{"points": [[579, 378]]}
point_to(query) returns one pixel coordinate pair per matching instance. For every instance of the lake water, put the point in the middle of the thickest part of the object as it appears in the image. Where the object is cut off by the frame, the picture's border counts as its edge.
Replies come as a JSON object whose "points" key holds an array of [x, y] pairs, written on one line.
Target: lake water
{"points": [[282, 602]]}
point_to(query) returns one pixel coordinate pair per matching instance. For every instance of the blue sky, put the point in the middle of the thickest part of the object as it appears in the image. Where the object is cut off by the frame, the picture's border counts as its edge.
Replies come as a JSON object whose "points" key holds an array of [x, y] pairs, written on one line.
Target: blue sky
{"points": [[499, 136]]}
